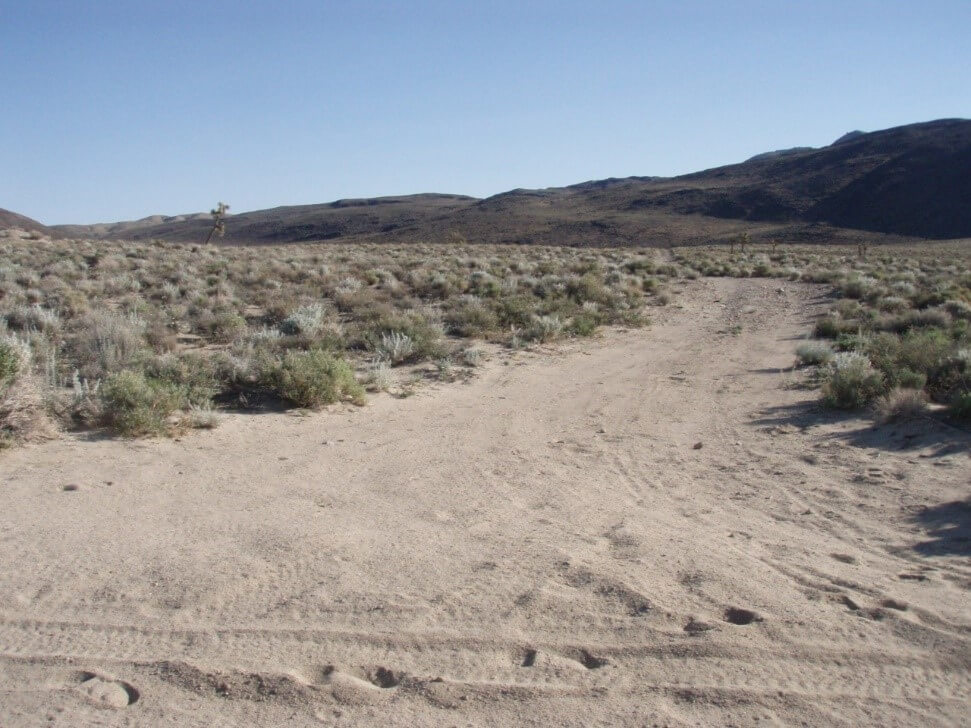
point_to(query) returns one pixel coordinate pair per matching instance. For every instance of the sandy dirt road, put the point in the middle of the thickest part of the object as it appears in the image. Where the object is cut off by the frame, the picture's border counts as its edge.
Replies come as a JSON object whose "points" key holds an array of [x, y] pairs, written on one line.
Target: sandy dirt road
{"points": [[656, 528]]}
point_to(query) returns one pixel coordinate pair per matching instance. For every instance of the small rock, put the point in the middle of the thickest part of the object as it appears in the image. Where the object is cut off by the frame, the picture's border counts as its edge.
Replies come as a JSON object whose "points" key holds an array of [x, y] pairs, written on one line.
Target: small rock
{"points": [[698, 445], [71, 487]]}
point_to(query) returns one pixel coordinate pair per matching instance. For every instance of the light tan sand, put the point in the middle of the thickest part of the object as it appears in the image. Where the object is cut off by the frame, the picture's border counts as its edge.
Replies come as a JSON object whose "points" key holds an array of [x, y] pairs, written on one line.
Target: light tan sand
{"points": [[542, 546]]}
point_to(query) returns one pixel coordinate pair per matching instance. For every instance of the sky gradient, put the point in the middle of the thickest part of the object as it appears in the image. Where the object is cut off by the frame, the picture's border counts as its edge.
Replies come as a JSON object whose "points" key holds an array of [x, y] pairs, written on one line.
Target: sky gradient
{"points": [[118, 110]]}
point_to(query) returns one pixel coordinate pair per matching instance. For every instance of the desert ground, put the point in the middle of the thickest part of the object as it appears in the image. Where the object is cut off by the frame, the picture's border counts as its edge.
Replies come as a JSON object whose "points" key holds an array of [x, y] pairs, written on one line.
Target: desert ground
{"points": [[659, 526]]}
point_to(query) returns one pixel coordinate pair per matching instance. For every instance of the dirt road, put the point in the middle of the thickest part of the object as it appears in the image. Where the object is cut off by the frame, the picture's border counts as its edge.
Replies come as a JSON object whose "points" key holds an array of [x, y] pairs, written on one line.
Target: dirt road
{"points": [[659, 527]]}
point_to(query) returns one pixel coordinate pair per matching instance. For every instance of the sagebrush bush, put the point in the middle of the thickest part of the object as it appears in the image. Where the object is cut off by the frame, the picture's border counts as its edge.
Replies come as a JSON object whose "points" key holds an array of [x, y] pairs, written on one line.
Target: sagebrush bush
{"points": [[106, 342], [814, 353], [395, 347], [313, 379], [543, 328], [851, 382]]}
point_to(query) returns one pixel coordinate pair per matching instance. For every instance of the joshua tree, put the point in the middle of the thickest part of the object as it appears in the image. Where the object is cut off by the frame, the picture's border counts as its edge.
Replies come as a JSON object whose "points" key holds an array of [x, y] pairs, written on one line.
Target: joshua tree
{"points": [[218, 220]]}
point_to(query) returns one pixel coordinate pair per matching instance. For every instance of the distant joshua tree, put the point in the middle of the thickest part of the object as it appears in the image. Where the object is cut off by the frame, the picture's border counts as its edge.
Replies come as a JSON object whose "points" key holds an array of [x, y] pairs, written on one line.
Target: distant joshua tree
{"points": [[742, 239], [218, 220]]}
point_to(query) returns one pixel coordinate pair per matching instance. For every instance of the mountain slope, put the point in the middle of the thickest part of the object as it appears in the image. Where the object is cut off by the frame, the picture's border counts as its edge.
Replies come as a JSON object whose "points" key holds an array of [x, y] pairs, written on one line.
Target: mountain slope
{"points": [[911, 181]]}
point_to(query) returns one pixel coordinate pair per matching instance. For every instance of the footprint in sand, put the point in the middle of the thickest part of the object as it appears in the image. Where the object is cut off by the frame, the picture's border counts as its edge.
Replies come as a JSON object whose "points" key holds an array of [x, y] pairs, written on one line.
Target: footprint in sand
{"points": [[354, 686], [107, 692]]}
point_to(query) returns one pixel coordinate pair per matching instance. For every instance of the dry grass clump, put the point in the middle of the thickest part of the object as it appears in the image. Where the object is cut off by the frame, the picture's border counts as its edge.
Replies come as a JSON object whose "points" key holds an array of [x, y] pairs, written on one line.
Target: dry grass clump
{"points": [[23, 415], [906, 310], [901, 404], [144, 338]]}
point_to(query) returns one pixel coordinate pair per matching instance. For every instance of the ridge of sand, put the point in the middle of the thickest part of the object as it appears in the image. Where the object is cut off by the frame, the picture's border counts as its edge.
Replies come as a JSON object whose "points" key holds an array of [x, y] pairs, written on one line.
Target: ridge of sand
{"points": [[545, 545]]}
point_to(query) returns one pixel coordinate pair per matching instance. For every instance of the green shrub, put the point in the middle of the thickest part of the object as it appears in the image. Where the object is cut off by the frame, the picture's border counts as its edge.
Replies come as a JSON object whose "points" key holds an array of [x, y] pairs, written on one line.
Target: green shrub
{"points": [[922, 351], [584, 324], [829, 327], [10, 362], [851, 382], [192, 373], [961, 406], [851, 342], [313, 379], [134, 405]]}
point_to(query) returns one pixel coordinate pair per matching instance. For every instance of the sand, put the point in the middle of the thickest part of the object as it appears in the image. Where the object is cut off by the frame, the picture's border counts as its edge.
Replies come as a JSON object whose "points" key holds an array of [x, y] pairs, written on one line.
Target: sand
{"points": [[659, 527]]}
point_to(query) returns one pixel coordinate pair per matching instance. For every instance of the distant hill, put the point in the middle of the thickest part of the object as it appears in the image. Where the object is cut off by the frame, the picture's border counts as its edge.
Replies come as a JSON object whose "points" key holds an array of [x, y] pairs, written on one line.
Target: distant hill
{"points": [[903, 183], [13, 220]]}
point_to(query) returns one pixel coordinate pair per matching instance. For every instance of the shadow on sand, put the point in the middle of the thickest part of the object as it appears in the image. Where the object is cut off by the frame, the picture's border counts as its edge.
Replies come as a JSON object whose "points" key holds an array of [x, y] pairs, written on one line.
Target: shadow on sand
{"points": [[858, 429], [949, 526]]}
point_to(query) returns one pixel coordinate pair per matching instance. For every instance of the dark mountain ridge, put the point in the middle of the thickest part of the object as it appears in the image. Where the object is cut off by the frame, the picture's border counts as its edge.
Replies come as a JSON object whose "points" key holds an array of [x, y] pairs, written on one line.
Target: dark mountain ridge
{"points": [[908, 182]]}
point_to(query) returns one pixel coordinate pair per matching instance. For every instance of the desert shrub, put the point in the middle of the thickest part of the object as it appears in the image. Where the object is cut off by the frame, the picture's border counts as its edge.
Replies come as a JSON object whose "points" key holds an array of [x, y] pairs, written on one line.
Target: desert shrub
{"points": [[929, 318], [851, 382], [313, 379], [829, 327], [378, 377], [202, 417], [857, 287], [922, 351], [960, 407], [543, 328], [106, 342], [584, 324], [900, 404], [134, 405], [222, 327], [848, 309], [160, 337], [951, 377], [394, 347], [588, 287], [515, 311], [892, 304], [307, 320], [814, 353], [34, 317], [851, 342], [471, 319], [959, 310], [23, 415], [472, 357], [11, 361], [193, 374], [391, 333]]}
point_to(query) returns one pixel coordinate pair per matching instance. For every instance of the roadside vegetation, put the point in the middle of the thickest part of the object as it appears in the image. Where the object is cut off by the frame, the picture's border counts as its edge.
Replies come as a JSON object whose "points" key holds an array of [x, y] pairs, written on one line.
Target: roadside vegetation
{"points": [[898, 334], [151, 338]]}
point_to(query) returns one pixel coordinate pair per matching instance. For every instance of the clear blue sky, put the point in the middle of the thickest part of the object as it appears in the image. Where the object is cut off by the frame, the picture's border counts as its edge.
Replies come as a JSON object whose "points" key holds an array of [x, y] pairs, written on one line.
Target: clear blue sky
{"points": [[114, 110]]}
